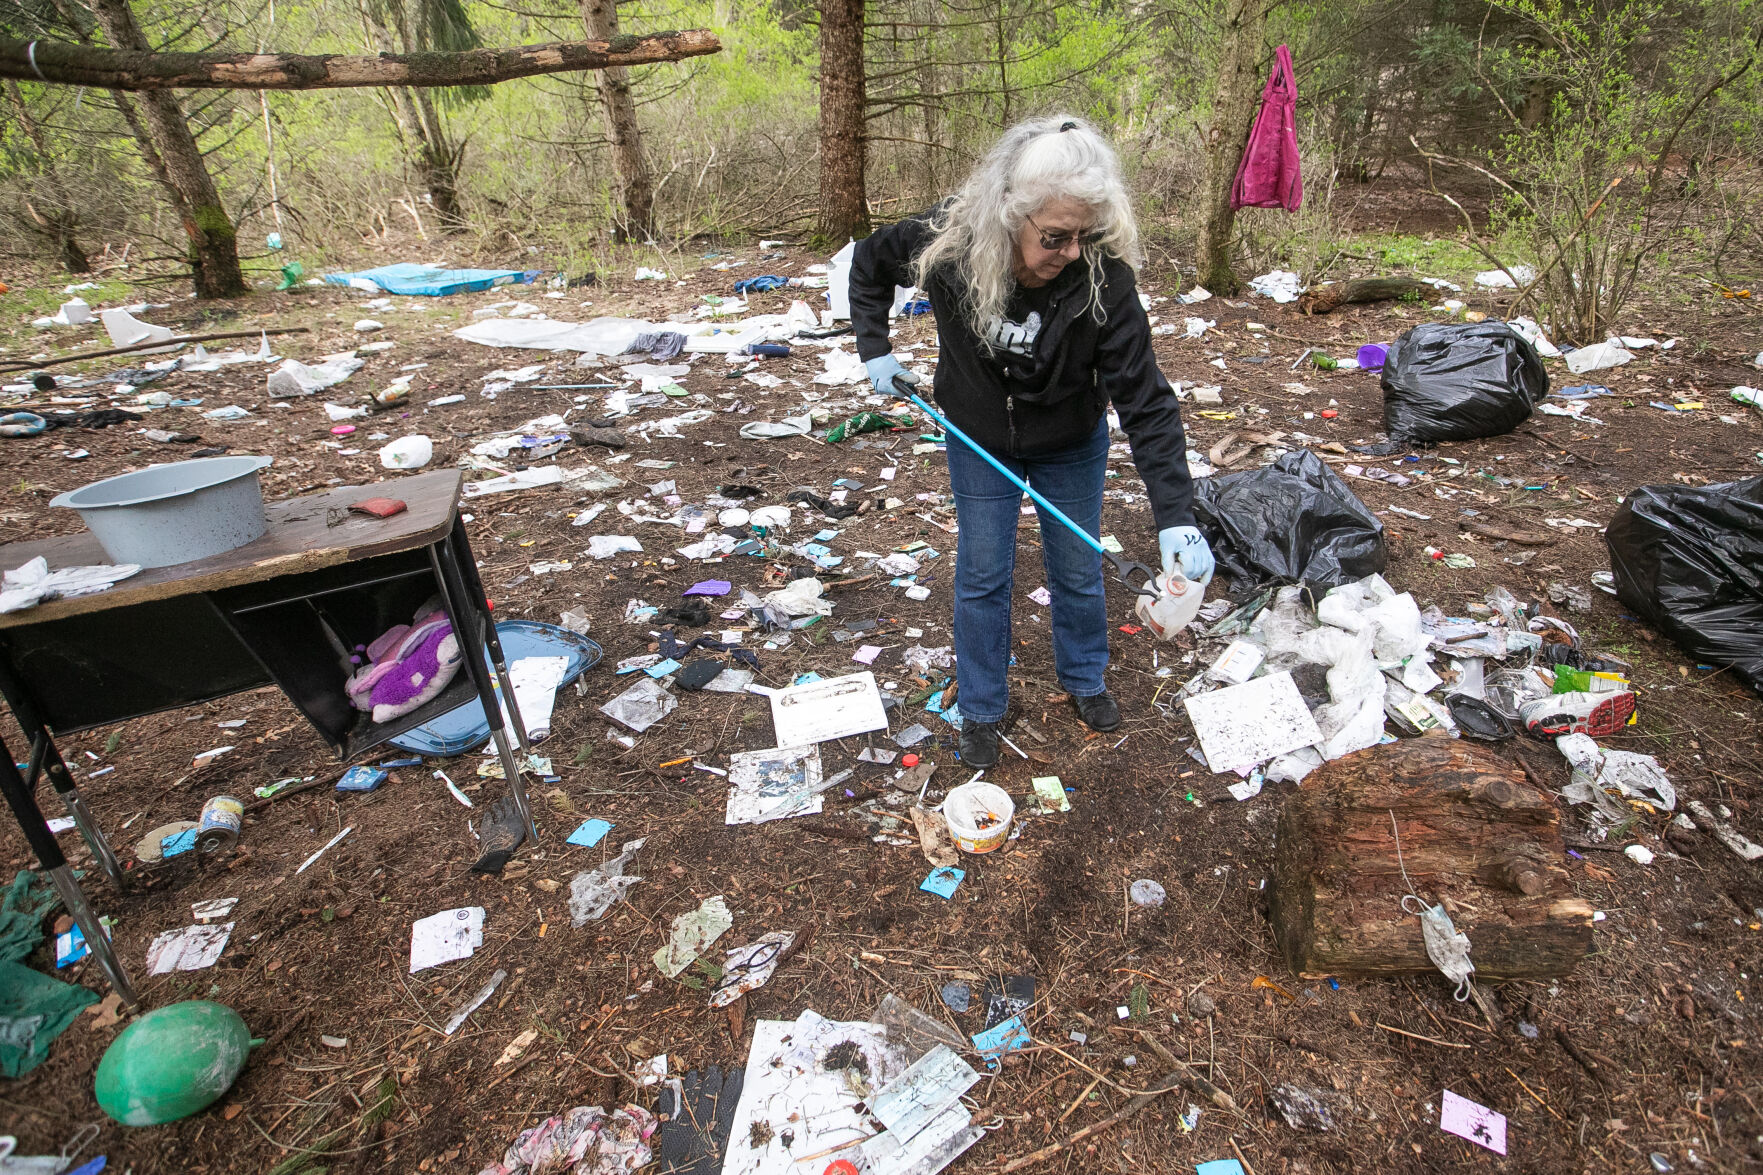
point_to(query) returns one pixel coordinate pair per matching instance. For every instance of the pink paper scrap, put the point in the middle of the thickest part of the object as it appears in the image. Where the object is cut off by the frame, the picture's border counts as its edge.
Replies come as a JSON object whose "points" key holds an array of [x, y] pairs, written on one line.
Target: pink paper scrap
{"points": [[866, 654], [1477, 1123]]}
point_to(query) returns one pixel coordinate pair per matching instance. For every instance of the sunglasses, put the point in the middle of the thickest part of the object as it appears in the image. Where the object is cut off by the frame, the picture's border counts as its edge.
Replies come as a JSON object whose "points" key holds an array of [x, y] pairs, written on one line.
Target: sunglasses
{"points": [[1056, 242]]}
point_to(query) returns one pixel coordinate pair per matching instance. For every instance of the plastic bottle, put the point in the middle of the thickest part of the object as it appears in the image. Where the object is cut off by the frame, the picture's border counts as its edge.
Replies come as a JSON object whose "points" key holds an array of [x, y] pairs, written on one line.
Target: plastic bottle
{"points": [[1178, 602]]}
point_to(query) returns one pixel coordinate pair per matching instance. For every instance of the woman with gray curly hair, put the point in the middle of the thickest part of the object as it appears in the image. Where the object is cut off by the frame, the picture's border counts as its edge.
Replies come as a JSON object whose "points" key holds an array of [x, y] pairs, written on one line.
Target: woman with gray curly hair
{"points": [[1030, 270]]}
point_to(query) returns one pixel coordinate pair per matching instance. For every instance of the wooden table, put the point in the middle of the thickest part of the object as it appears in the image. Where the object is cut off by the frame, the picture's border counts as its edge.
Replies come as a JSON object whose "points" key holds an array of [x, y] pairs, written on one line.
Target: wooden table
{"points": [[285, 610]]}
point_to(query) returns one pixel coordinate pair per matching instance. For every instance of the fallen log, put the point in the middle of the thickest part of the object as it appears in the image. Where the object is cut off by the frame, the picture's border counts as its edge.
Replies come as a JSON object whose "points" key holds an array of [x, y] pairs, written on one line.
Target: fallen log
{"points": [[66, 63], [1475, 834], [1322, 299], [150, 345]]}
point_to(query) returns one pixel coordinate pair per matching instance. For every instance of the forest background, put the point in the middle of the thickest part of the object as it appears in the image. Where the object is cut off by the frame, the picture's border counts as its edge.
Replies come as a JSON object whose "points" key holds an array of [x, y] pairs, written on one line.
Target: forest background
{"points": [[1613, 145]]}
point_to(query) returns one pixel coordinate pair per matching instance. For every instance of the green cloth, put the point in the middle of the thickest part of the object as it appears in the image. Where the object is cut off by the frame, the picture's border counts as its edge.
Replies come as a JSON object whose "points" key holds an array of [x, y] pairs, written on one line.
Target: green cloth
{"points": [[21, 915], [866, 422], [34, 1010]]}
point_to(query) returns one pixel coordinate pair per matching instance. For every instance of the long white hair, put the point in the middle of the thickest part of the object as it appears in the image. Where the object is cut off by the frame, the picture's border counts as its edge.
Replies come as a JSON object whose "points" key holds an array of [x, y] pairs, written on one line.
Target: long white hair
{"points": [[1055, 157]]}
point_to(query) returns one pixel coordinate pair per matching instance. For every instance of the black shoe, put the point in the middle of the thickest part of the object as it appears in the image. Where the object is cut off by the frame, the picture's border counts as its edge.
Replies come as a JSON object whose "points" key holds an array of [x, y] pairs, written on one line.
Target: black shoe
{"points": [[979, 744], [1098, 712]]}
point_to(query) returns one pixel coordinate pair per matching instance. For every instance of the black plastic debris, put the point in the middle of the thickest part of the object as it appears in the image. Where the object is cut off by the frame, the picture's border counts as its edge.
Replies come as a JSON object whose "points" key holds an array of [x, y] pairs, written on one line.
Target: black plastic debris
{"points": [[1689, 561], [697, 674], [1007, 996], [694, 1136], [1456, 381], [1476, 719], [1292, 521]]}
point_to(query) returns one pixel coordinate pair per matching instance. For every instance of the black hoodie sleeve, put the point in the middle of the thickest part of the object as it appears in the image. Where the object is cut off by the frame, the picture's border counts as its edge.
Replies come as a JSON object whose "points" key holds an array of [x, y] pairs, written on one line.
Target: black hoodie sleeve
{"points": [[1147, 405], [882, 261]]}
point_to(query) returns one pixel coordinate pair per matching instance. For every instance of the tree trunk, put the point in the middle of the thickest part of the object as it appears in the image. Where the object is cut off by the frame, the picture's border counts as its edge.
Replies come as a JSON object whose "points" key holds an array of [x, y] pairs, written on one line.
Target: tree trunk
{"points": [[1234, 99], [1476, 835], [844, 208], [638, 189], [58, 223], [132, 68], [214, 248], [439, 163]]}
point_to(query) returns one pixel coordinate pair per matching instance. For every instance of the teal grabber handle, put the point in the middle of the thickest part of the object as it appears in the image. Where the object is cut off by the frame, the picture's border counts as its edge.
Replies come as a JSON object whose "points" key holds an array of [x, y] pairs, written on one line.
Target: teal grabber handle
{"points": [[1124, 569]]}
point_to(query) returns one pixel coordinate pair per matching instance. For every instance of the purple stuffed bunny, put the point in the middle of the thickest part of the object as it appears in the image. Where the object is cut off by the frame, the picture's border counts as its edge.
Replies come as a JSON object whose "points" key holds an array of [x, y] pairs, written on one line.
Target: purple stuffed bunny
{"points": [[410, 664]]}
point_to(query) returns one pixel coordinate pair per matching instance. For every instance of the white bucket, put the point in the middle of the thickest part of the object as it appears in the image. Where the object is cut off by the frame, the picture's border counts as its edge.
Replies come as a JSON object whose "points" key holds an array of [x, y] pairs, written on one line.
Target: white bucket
{"points": [[979, 816]]}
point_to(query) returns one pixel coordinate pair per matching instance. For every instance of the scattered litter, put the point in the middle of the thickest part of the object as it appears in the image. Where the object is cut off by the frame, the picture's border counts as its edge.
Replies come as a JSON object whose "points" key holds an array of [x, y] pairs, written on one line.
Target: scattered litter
{"points": [[1726, 834], [641, 706], [590, 833], [832, 708], [1306, 1109], [1280, 285], [1146, 892], [213, 910], [1597, 357], [1639, 854], [304, 865], [1005, 1037], [943, 881], [1502, 279], [1242, 725], [464, 1011], [586, 1140], [1477, 1123], [1049, 794], [445, 937], [748, 968], [605, 546], [773, 784], [693, 932], [592, 892], [190, 948]]}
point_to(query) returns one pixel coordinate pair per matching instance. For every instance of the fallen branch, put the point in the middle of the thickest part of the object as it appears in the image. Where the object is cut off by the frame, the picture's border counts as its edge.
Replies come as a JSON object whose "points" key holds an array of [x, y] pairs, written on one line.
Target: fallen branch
{"points": [[1370, 289], [64, 63], [1173, 1081], [27, 365], [1450, 1044], [1521, 537]]}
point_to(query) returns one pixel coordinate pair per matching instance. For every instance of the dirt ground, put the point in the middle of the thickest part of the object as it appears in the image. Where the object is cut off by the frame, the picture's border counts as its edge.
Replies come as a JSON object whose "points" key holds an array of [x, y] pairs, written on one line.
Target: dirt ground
{"points": [[1663, 1009]]}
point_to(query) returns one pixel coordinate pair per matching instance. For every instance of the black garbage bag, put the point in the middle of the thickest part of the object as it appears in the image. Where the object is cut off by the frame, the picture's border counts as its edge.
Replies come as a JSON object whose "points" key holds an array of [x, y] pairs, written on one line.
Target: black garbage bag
{"points": [[1293, 521], [1456, 381], [1689, 561]]}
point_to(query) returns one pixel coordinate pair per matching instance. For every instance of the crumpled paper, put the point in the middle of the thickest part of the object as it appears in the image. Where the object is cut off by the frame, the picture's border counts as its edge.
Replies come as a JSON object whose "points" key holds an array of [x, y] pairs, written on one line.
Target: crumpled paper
{"points": [[592, 892], [693, 932]]}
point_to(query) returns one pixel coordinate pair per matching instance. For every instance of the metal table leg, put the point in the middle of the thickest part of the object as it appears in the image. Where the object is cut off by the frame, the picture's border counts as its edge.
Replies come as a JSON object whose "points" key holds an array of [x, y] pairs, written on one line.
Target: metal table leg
{"points": [[44, 757], [42, 842], [474, 586], [470, 619]]}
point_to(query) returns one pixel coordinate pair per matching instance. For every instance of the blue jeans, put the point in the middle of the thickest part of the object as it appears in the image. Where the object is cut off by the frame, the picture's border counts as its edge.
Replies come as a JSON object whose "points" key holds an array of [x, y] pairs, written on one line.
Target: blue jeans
{"points": [[987, 510]]}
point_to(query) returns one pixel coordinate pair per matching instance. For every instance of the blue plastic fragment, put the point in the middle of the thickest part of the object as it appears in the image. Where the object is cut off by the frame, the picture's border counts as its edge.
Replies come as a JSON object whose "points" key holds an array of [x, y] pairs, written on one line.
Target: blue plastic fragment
{"points": [[361, 779], [943, 881], [590, 833], [1004, 1037]]}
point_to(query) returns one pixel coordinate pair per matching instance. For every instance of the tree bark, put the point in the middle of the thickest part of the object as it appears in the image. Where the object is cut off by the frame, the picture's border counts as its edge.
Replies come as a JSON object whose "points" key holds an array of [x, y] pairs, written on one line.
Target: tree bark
{"points": [[137, 68], [58, 223], [637, 188], [844, 208], [1476, 835], [1234, 98], [214, 246]]}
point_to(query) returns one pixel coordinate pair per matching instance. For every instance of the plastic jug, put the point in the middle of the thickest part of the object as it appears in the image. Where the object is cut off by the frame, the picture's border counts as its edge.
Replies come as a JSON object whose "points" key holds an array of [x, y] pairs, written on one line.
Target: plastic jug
{"points": [[1178, 602]]}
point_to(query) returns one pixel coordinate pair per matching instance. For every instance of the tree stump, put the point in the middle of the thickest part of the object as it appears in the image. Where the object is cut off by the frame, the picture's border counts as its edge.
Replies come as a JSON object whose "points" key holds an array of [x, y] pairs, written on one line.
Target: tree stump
{"points": [[1322, 299], [1476, 834]]}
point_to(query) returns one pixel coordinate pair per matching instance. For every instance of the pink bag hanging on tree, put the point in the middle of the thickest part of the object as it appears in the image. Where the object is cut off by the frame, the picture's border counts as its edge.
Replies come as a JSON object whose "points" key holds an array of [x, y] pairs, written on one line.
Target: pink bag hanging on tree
{"points": [[1268, 175]]}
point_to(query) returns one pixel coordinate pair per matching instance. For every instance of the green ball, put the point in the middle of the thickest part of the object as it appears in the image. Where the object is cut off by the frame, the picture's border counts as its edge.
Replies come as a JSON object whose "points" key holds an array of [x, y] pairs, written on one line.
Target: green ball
{"points": [[171, 1063]]}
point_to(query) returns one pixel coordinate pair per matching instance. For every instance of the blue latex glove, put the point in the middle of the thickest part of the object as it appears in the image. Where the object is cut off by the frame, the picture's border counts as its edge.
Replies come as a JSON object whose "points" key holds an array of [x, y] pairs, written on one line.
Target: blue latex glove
{"points": [[882, 370], [1184, 547]]}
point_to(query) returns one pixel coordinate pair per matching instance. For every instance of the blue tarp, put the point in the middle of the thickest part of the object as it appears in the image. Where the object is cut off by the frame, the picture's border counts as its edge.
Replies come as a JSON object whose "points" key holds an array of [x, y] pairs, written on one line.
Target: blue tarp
{"points": [[432, 281]]}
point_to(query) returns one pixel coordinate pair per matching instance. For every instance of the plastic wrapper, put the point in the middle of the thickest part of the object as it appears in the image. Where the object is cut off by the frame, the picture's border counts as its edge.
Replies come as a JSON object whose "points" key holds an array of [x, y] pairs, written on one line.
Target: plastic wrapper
{"points": [[1689, 560], [1292, 521], [1446, 381]]}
